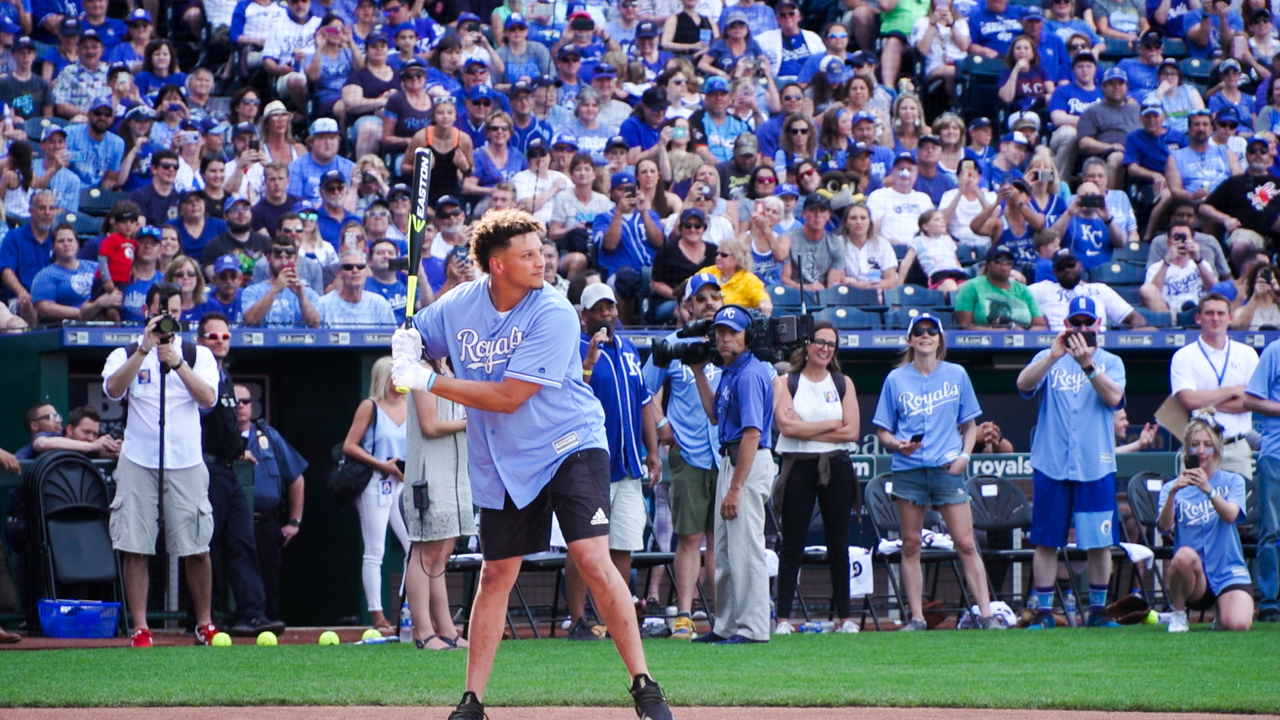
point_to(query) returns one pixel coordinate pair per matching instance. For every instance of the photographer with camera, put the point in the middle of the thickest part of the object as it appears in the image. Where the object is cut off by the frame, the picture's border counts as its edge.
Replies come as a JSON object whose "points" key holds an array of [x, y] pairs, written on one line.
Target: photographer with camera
{"points": [[1087, 227], [283, 300], [166, 391], [1179, 279], [742, 409], [692, 441], [1073, 457]]}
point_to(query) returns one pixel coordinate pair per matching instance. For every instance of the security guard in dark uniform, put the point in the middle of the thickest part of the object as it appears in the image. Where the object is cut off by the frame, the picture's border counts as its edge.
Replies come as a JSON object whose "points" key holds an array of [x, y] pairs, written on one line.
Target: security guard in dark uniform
{"points": [[235, 559], [277, 473]]}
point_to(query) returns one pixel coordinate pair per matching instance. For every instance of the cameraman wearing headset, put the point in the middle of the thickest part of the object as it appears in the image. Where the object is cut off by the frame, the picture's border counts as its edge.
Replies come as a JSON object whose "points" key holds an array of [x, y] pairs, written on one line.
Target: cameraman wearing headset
{"points": [[742, 408], [190, 375]]}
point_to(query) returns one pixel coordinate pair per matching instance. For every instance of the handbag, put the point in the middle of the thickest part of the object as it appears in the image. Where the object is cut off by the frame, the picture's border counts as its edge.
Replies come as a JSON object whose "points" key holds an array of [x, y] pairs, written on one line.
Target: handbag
{"points": [[349, 476]]}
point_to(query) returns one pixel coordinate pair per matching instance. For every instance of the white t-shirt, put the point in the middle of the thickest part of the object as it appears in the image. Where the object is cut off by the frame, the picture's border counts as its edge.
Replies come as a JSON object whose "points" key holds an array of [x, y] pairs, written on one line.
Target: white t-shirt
{"points": [[897, 215], [529, 185], [260, 19], [1053, 300], [966, 211], [935, 254], [1198, 367], [288, 37], [1181, 284], [943, 47], [869, 262]]}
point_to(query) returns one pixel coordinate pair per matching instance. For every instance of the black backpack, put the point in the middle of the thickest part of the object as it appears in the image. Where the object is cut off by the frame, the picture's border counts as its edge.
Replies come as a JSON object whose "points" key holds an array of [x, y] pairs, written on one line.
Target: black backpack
{"points": [[793, 383]]}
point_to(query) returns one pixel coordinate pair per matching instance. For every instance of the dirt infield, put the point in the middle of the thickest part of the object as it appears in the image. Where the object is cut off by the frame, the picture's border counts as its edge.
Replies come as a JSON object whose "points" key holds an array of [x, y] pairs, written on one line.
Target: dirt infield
{"points": [[563, 713]]}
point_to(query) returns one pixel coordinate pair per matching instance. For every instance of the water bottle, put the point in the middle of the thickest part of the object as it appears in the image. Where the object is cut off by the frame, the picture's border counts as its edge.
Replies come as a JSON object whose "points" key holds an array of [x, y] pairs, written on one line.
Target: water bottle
{"points": [[406, 624], [1073, 616]]}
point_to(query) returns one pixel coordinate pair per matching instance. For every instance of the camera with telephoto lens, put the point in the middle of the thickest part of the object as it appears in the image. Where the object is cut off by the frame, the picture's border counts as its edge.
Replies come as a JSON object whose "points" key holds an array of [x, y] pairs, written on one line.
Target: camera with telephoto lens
{"points": [[166, 326], [769, 339]]}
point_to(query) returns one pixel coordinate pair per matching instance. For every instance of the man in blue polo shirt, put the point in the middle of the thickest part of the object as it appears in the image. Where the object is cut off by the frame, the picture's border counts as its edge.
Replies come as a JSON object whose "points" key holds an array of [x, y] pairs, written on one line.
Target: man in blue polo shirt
{"points": [[1073, 458], [993, 28], [611, 366], [1068, 103], [1143, 72], [643, 130], [26, 251], [743, 409], [1146, 150], [693, 443]]}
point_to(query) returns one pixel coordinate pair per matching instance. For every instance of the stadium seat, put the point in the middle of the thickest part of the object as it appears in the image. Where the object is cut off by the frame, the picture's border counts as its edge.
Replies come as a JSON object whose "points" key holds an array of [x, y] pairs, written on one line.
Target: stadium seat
{"points": [[1129, 293], [900, 251], [87, 226], [850, 318], [98, 202], [1143, 494], [1195, 70], [1175, 48], [999, 506], [1118, 273], [1187, 319], [1134, 253], [976, 91], [844, 295], [913, 296], [1155, 319], [968, 255], [1117, 50], [791, 298]]}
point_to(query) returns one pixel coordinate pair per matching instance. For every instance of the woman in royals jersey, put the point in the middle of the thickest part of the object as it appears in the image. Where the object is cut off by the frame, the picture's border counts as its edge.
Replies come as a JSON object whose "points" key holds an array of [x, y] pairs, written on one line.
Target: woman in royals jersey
{"points": [[925, 417], [1204, 503]]}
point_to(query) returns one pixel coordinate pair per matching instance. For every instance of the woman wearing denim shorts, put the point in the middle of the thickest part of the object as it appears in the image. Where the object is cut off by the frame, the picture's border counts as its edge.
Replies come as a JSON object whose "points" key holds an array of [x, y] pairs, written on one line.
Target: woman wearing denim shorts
{"points": [[925, 417]]}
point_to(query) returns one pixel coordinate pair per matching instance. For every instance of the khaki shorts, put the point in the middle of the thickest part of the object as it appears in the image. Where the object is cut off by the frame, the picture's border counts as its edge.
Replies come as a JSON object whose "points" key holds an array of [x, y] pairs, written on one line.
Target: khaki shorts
{"points": [[188, 516], [1251, 236], [693, 496], [627, 515]]}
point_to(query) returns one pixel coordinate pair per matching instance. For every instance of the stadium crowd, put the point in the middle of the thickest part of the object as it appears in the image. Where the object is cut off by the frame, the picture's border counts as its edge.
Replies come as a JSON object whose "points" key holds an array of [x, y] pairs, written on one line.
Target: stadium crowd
{"points": [[251, 160]]}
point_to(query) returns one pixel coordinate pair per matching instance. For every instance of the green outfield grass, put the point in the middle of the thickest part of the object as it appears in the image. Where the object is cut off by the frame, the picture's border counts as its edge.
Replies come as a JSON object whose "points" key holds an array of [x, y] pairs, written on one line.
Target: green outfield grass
{"points": [[1134, 668]]}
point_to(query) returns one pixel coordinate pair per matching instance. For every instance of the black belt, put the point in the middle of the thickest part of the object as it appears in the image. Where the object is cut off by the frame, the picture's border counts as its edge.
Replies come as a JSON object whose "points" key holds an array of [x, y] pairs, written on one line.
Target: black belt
{"points": [[266, 516], [730, 449], [1237, 438], [215, 460]]}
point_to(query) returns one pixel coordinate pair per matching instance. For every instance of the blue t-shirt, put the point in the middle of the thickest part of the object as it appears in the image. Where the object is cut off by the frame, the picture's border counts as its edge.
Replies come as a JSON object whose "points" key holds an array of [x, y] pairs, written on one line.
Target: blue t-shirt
{"points": [[149, 84], [40, 9], [305, 172], [1089, 239], [333, 74], [396, 293], [90, 159], [912, 403], [724, 59], [1073, 99], [745, 400], [996, 32], [193, 246], [935, 186], [633, 248], [111, 31], [1143, 78], [134, 308], [617, 383], [1203, 169], [24, 256], [1074, 438], [1265, 384], [1173, 26], [698, 438], [1152, 151], [232, 310], [489, 174], [140, 173], [516, 453], [285, 310], [1201, 528], [638, 133], [63, 285], [1245, 109], [1194, 17]]}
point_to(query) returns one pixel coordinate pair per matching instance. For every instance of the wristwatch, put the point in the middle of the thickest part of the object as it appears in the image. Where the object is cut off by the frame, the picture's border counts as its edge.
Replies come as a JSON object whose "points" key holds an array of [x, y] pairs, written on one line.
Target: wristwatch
{"points": [[295, 522], [1213, 494]]}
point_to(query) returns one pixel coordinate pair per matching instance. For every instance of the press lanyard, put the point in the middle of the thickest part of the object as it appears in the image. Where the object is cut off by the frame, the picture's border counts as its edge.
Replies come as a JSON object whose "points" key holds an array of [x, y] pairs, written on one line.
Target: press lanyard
{"points": [[1226, 361]]}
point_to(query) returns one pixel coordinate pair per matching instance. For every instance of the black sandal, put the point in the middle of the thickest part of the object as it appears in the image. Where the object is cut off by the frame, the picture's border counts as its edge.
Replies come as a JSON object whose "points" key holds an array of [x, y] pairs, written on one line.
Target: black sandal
{"points": [[422, 644]]}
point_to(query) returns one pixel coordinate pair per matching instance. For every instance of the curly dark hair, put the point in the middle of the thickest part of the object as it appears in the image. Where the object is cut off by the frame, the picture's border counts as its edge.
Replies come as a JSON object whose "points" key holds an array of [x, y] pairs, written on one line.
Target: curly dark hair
{"points": [[494, 232]]}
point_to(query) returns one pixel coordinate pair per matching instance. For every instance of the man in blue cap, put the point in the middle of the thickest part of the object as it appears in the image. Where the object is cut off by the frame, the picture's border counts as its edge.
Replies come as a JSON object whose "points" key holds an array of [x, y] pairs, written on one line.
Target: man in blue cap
{"points": [[1146, 153], [1073, 457], [227, 281], [21, 89], [742, 409], [1069, 101], [480, 101], [95, 151], [1104, 126], [714, 129], [239, 241], [81, 82], [53, 170], [1143, 72], [626, 238], [864, 131], [1005, 165]]}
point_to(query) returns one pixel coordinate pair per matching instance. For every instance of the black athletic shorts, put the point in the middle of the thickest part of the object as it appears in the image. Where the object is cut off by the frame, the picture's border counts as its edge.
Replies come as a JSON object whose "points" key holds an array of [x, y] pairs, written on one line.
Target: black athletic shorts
{"points": [[578, 494], [1210, 598]]}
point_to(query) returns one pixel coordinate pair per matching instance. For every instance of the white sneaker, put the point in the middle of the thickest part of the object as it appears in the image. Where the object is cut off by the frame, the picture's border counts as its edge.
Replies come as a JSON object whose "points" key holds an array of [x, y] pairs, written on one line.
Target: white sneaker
{"points": [[1178, 621], [783, 628], [849, 627]]}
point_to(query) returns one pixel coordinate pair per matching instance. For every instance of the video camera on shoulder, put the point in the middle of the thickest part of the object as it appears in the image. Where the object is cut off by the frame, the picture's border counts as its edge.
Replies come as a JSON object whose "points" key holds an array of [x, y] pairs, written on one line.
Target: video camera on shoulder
{"points": [[769, 339]]}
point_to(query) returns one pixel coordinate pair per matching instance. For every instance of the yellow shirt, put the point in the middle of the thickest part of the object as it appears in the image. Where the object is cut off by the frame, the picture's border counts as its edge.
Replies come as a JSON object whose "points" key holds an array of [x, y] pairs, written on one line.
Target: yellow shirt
{"points": [[744, 288]]}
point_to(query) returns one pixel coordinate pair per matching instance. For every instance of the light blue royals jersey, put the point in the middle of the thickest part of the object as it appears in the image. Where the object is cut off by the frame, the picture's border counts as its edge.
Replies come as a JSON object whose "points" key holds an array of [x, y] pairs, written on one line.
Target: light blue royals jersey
{"points": [[1265, 384], [516, 453], [912, 403], [1202, 529], [698, 439], [1075, 436]]}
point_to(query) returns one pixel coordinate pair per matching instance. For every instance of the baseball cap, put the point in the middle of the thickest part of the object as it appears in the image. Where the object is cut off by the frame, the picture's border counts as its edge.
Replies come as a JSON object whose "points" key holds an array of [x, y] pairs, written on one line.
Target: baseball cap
{"points": [[412, 64], [655, 99], [564, 138], [397, 190], [735, 16], [697, 282], [930, 139], [1229, 64], [1014, 137], [746, 144], [324, 126], [1032, 12], [924, 317], [1082, 306], [715, 83], [446, 200], [1228, 113], [568, 52], [50, 131], [536, 145], [904, 157], [516, 20], [615, 141], [1115, 73], [70, 26], [1257, 140], [9, 25], [581, 20], [788, 189], [521, 86], [153, 232], [1169, 62], [996, 251], [1063, 258], [143, 112], [1152, 107], [693, 212], [23, 43], [101, 102], [787, 3], [243, 129], [604, 70], [979, 124], [1084, 57], [138, 15], [331, 177], [836, 71], [232, 200], [859, 148], [817, 202], [1151, 37], [862, 58], [732, 317], [213, 126], [863, 116], [90, 34], [594, 293], [480, 92], [225, 263], [472, 61], [646, 30], [468, 17], [621, 179]]}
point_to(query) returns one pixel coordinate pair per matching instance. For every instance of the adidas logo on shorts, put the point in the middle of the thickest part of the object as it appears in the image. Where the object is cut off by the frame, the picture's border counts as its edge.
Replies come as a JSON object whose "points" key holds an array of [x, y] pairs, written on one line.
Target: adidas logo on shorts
{"points": [[599, 518]]}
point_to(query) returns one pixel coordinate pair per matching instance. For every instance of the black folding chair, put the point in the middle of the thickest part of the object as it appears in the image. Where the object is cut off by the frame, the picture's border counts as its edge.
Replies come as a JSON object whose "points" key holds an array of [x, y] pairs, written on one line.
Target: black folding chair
{"points": [[1143, 493], [998, 505]]}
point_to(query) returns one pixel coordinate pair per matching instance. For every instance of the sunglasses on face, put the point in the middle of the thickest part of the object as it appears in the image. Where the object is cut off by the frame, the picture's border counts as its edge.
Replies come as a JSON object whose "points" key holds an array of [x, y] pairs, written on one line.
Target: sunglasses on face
{"points": [[799, 131], [792, 98], [837, 36], [446, 214], [284, 252], [353, 266], [168, 166], [378, 214], [830, 344], [308, 217], [499, 128], [680, 81], [693, 226], [767, 180], [242, 401], [724, 254], [250, 101], [808, 173], [216, 336], [185, 274], [921, 331], [413, 75], [482, 102], [1077, 46], [291, 230], [102, 113], [229, 276], [1256, 151], [50, 416], [1079, 323], [477, 69], [789, 13]]}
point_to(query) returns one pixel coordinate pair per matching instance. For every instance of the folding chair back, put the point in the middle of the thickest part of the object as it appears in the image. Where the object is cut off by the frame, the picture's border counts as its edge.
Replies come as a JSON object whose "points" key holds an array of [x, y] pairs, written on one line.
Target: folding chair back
{"points": [[997, 504]]}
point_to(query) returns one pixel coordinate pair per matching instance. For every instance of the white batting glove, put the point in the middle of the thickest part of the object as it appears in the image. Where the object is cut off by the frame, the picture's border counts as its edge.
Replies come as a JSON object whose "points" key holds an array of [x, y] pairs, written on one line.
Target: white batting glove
{"points": [[406, 344], [406, 373]]}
